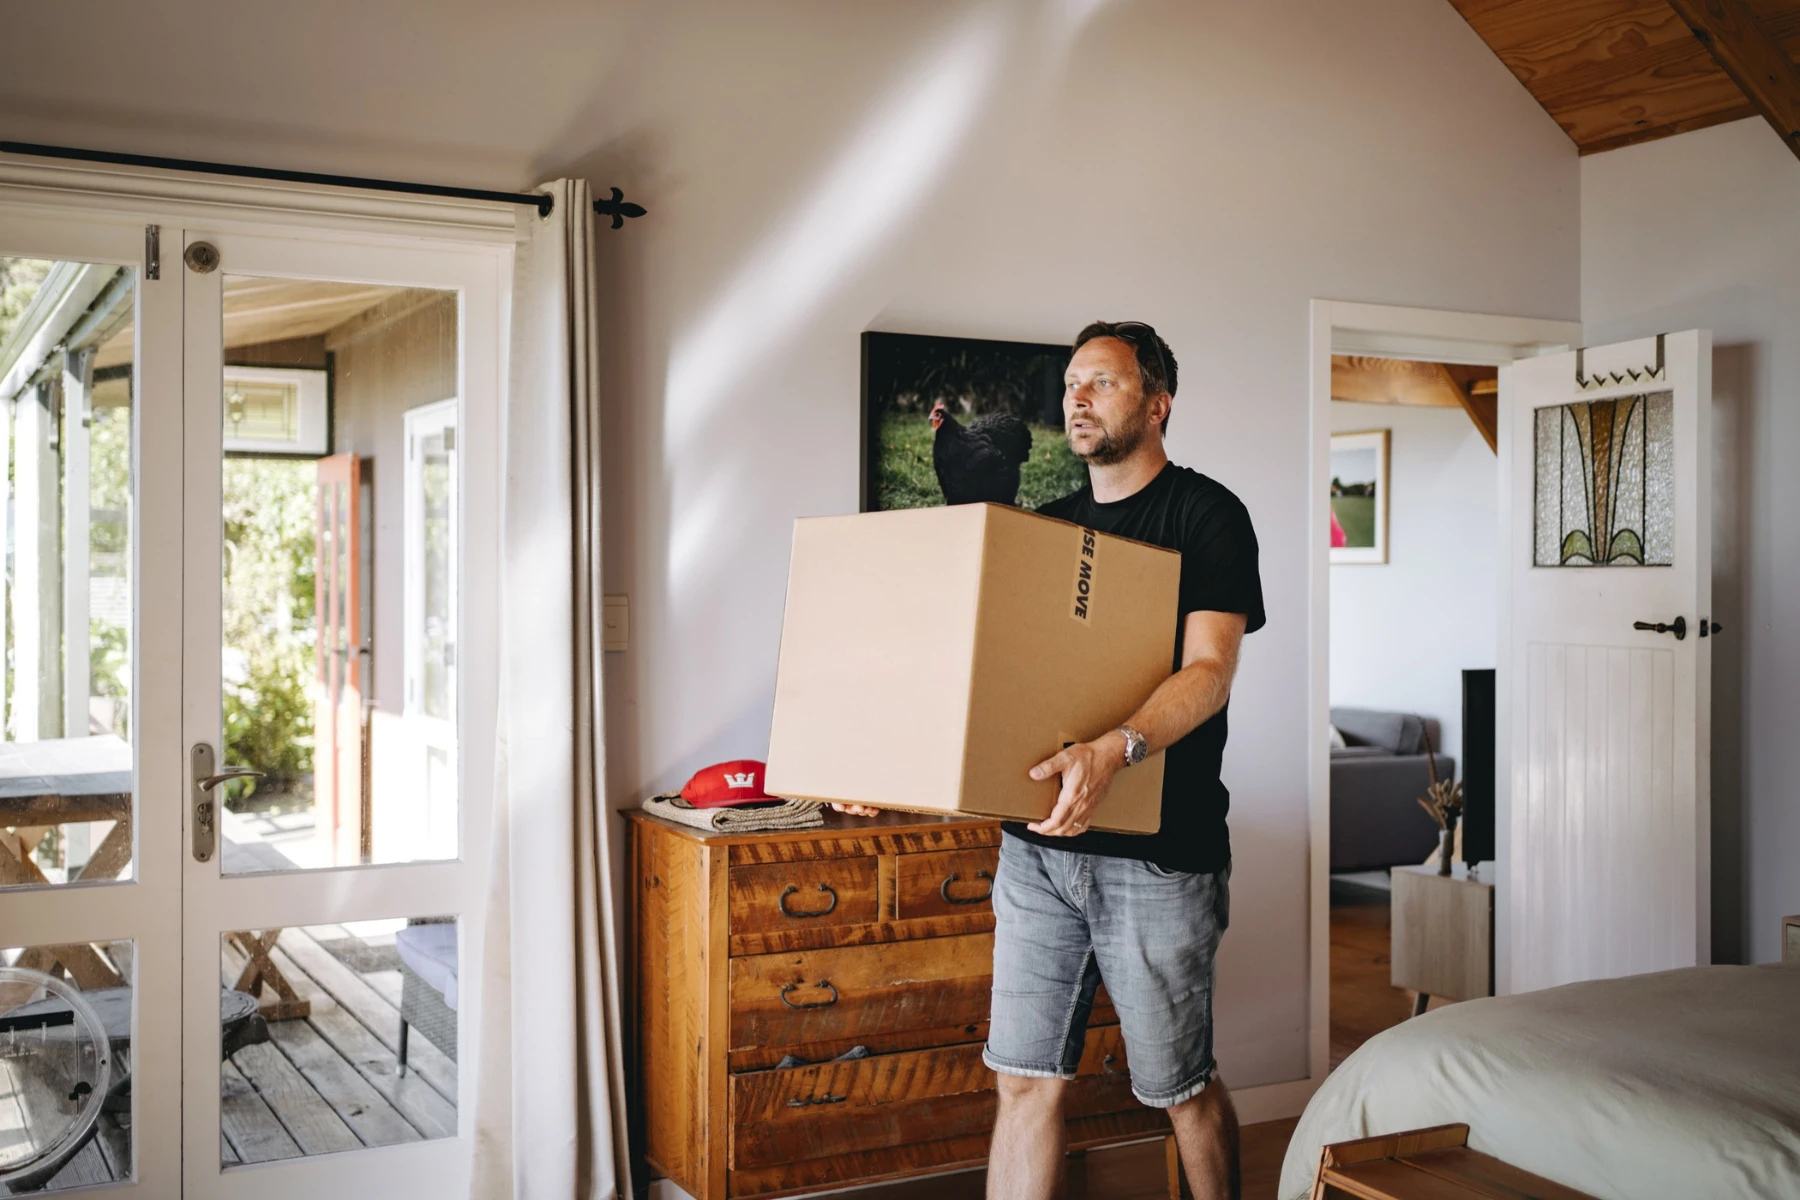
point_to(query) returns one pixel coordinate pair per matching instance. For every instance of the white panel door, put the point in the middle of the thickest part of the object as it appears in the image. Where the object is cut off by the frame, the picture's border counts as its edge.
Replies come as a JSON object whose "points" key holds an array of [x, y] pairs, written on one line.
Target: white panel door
{"points": [[1606, 659]]}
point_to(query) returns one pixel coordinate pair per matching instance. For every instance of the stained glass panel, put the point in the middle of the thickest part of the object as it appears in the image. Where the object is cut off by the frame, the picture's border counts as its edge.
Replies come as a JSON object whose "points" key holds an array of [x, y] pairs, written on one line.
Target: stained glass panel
{"points": [[1605, 483]]}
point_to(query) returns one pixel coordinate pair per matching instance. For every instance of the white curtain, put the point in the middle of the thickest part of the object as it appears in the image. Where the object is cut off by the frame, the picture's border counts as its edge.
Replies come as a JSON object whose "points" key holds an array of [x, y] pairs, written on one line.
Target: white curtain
{"points": [[550, 1109]]}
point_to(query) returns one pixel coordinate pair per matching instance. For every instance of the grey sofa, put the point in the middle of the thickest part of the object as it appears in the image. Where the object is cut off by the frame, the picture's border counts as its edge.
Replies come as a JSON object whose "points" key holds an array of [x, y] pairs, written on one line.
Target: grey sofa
{"points": [[1376, 820]]}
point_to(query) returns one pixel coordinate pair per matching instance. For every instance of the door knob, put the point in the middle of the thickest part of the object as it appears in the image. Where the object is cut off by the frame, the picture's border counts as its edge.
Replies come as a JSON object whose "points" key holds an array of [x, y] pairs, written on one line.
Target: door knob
{"points": [[1678, 627], [1710, 627]]}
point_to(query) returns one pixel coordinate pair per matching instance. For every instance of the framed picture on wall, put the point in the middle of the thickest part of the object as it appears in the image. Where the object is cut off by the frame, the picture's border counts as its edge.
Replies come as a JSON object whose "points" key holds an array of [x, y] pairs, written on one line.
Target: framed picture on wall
{"points": [[951, 420], [1359, 497]]}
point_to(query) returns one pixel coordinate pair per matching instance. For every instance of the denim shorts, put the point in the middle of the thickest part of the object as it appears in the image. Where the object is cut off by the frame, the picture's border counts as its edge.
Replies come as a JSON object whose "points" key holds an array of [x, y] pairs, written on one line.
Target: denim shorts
{"points": [[1065, 921]]}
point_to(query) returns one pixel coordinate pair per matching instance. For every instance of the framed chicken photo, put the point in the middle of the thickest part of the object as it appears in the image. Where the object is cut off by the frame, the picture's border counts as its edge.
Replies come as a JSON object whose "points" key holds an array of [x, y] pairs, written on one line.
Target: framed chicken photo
{"points": [[949, 420]]}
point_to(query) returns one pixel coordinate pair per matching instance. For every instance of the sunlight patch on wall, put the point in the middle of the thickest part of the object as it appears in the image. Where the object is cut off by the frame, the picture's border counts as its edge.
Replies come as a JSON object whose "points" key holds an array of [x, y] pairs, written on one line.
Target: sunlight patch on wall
{"points": [[887, 170]]}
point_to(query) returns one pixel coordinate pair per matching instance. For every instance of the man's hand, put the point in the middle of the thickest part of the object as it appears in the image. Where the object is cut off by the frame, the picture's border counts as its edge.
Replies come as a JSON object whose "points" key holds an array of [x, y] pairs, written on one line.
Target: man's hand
{"points": [[856, 810], [1087, 770]]}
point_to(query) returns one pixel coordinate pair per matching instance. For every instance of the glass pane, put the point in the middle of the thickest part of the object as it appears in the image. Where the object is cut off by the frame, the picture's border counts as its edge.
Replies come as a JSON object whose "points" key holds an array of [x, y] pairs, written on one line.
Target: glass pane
{"points": [[65, 1066], [319, 382], [1605, 483], [66, 397], [435, 500], [348, 1037]]}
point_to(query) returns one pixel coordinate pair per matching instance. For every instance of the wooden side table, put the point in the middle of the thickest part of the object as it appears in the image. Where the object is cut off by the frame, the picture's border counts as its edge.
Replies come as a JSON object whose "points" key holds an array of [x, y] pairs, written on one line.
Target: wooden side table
{"points": [[1790, 939], [1443, 934], [1426, 1164]]}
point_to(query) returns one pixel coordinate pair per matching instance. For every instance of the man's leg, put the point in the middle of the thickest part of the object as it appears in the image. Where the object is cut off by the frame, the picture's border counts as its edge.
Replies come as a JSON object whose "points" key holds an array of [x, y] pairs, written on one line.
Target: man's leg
{"points": [[1044, 982], [1026, 1159], [1206, 1130]]}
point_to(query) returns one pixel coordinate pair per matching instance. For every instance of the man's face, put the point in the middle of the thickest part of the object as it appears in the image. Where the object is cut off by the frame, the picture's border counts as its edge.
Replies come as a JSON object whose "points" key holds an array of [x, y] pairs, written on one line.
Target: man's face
{"points": [[1105, 412]]}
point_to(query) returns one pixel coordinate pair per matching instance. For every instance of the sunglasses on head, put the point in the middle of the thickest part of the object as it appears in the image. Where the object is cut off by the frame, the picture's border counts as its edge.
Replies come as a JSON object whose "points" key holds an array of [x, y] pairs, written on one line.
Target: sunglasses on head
{"points": [[1140, 334]]}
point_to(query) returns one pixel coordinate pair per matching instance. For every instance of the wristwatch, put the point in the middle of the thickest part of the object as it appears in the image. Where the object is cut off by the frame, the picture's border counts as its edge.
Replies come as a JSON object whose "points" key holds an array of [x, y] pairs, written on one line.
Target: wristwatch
{"points": [[1136, 748]]}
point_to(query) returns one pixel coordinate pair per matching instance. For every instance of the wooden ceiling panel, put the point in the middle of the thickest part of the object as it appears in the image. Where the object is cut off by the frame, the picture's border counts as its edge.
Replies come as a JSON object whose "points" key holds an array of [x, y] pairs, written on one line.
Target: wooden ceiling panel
{"points": [[1615, 72], [1544, 39]]}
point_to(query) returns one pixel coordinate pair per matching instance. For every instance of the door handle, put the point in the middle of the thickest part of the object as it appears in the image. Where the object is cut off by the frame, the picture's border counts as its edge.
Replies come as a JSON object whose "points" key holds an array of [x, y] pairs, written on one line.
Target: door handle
{"points": [[1710, 627], [1678, 627], [205, 811]]}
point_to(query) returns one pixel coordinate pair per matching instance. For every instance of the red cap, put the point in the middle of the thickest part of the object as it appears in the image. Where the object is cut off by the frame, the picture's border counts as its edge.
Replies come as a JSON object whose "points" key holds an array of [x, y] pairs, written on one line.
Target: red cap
{"points": [[736, 782]]}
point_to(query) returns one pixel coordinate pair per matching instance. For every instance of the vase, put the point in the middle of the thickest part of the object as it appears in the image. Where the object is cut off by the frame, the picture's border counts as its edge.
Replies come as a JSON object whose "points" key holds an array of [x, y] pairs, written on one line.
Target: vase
{"points": [[1446, 846]]}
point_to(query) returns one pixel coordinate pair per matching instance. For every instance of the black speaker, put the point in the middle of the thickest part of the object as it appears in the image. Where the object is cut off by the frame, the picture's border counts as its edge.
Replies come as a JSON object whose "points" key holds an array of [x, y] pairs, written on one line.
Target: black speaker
{"points": [[1478, 765]]}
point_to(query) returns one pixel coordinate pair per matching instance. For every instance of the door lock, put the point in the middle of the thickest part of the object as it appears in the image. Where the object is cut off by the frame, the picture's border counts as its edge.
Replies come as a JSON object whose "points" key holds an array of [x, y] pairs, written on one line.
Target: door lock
{"points": [[202, 258], [205, 809]]}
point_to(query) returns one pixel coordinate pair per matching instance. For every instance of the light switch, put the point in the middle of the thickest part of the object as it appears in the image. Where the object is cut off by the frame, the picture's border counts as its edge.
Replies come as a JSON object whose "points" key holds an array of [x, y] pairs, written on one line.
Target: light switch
{"points": [[615, 616]]}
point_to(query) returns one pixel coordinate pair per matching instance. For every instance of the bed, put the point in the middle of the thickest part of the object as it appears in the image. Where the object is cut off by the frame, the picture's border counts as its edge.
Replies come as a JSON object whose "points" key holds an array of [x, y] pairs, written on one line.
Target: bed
{"points": [[1679, 1084]]}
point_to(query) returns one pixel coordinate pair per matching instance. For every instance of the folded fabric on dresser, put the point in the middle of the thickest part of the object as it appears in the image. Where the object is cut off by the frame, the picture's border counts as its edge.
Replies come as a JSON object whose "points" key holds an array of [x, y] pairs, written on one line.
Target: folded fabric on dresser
{"points": [[742, 818]]}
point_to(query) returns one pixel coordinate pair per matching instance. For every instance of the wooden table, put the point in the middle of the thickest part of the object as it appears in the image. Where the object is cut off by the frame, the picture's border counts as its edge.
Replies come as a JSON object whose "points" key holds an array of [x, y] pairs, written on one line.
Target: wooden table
{"points": [[64, 781], [1443, 934], [67, 781], [1426, 1164]]}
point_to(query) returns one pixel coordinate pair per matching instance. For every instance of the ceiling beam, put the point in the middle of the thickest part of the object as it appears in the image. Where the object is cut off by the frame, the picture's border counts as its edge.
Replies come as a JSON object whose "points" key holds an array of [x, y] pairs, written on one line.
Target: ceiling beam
{"points": [[1365, 380], [1477, 388], [1752, 57]]}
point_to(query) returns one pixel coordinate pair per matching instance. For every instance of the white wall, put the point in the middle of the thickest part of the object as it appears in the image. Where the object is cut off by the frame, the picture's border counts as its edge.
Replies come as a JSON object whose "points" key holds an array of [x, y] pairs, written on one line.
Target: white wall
{"points": [[1403, 633], [998, 168], [1704, 230]]}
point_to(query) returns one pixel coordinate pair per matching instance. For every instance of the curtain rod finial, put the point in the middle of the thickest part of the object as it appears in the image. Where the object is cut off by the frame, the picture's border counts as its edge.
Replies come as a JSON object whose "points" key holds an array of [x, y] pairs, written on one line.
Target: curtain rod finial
{"points": [[618, 208]]}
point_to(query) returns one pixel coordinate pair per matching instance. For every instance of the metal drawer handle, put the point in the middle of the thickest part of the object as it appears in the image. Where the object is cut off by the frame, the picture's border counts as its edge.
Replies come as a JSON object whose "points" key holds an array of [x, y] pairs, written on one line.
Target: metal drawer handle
{"points": [[944, 889], [792, 888], [797, 1103], [824, 983], [1106, 1064]]}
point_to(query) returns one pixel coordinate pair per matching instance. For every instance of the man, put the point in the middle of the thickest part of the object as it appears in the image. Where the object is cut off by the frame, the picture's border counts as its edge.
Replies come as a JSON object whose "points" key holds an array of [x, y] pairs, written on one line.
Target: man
{"points": [[1144, 913]]}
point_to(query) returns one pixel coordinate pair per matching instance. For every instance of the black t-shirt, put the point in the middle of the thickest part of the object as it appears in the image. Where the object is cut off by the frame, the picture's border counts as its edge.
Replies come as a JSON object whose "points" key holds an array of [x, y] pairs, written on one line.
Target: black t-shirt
{"points": [[1186, 511]]}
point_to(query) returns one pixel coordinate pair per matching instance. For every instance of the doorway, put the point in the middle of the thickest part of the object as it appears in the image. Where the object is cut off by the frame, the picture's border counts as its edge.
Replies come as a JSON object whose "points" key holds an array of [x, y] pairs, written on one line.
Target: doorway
{"points": [[1405, 412], [232, 948], [1414, 533]]}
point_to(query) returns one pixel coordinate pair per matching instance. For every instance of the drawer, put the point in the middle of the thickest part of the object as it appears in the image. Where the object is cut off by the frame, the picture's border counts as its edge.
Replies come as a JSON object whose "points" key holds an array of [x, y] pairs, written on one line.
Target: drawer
{"points": [[780, 1000], [895, 1100], [806, 894], [945, 884]]}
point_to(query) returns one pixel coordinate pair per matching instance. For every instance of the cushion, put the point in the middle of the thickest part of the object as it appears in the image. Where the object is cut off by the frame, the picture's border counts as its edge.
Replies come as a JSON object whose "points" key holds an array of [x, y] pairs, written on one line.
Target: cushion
{"points": [[1397, 733], [430, 950], [1337, 738]]}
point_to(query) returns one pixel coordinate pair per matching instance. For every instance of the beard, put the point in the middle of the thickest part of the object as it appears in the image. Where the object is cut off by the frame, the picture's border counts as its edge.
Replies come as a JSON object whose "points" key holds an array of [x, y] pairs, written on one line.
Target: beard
{"points": [[1114, 444]]}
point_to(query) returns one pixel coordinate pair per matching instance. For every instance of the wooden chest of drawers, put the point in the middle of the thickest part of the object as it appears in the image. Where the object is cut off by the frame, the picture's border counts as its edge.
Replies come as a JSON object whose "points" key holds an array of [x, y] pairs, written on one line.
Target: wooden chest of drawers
{"points": [[872, 933]]}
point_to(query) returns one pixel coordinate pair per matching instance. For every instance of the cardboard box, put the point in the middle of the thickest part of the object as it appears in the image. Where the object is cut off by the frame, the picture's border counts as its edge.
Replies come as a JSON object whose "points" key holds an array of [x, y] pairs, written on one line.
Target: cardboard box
{"points": [[931, 657]]}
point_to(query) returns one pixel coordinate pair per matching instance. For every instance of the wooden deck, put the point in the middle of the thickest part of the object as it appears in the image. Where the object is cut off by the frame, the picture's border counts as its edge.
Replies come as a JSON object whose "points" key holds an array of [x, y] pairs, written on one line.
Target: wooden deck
{"points": [[321, 1085], [331, 1082]]}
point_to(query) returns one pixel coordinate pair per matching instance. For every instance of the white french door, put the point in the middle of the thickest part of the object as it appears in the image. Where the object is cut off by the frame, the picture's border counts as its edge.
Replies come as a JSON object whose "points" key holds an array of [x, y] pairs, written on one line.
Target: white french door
{"points": [[353, 920], [210, 985], [90, 761], [1606, 454]]}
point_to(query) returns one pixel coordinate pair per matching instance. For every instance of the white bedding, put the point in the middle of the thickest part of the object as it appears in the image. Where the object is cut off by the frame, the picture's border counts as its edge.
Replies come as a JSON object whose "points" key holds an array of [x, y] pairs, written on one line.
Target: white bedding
{"points": [[1684, 1084]]}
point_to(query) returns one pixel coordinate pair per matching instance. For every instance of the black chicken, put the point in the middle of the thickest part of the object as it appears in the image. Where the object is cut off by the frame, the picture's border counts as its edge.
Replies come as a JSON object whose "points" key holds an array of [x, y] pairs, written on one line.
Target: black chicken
{"points": [[980, 463]]}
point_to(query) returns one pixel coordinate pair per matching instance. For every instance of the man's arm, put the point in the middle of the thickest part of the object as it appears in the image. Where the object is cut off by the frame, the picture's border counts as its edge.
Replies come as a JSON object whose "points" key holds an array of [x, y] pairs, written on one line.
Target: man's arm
{"points": [[1180, 704]]}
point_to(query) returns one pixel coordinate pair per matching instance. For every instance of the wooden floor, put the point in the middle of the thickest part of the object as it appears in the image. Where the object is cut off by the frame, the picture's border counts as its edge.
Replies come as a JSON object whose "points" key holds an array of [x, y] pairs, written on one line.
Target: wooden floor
{"points": [[327, 1083], [331, 1082], [1363, 1002], [1134, 1172]]}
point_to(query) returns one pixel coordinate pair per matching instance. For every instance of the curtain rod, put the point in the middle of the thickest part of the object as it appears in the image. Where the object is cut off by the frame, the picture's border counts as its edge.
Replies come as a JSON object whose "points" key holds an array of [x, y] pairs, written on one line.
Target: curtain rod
{"points": [[618, 208]]}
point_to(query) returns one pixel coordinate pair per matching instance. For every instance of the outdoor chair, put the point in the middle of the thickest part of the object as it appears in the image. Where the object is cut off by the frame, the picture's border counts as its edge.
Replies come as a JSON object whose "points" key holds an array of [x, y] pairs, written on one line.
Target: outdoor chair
{"points": [[427, 950]]}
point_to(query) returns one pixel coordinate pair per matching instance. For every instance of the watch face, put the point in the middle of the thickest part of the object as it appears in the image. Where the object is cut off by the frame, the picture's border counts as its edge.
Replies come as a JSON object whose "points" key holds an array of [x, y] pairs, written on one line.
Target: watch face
{"points": [[1136, 747]]}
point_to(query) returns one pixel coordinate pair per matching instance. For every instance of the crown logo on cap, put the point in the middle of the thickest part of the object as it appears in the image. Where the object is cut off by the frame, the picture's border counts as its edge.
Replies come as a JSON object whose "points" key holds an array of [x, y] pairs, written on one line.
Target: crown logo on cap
{"points": [[745, 779]]}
